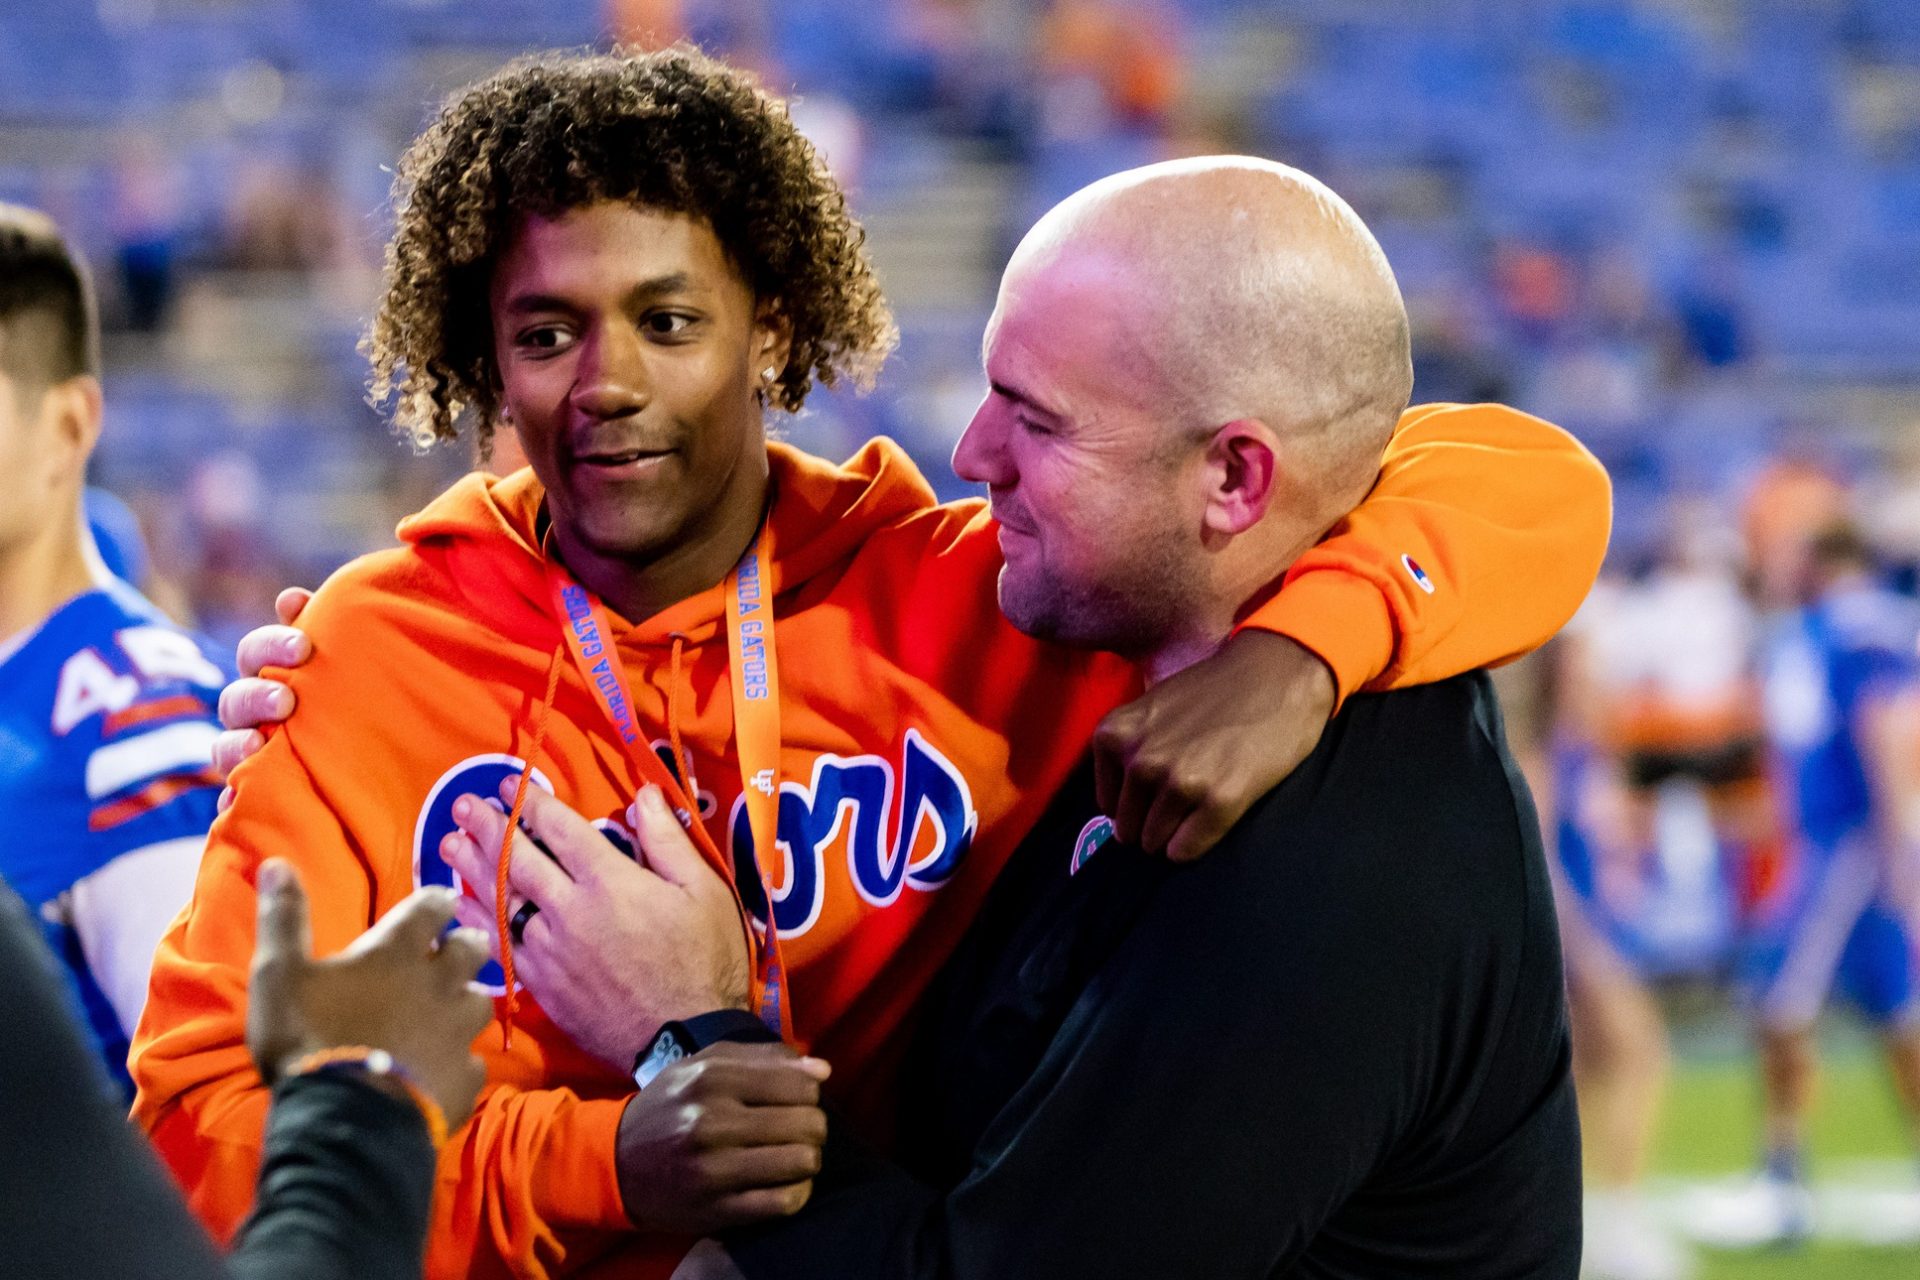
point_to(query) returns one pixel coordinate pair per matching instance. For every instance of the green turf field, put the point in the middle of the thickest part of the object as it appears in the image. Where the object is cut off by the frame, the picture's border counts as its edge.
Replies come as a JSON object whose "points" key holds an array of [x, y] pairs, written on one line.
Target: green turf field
{"points": [[1709, 1132]]}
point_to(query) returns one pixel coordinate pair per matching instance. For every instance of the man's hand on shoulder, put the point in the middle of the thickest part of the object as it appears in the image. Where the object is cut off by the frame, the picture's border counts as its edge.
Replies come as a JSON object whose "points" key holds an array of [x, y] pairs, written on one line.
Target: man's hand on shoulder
{"points": [[1178, 766], [253, 700], [729, 1136]]}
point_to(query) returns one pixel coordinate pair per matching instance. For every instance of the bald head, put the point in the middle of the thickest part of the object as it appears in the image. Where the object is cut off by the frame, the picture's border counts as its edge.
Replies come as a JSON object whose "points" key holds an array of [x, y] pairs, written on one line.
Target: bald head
{"points": [[1254, 292], [1194, 370]]}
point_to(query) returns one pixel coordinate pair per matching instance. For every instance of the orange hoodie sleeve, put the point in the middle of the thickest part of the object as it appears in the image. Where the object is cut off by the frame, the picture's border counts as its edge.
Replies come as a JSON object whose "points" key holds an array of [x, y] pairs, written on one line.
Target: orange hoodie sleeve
{"points": [[528, 1186], [1477, 543]]}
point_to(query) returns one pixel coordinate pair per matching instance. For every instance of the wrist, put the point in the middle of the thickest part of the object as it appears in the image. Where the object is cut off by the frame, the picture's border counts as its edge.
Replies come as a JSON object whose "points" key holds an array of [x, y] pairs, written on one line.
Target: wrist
{"points": [[1287, 663], [682, 1038], [1321, 683], [1340, 618], [375, 1067]]}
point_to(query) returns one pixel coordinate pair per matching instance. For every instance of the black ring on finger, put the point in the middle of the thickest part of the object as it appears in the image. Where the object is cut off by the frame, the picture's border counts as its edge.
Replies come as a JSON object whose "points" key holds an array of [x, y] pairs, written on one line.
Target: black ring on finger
{"points": [[517, 927]]}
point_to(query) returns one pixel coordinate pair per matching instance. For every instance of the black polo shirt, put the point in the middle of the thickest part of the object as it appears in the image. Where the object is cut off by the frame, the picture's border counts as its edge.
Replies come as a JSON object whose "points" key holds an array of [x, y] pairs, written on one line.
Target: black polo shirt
{"points": [[1336, 1046]]}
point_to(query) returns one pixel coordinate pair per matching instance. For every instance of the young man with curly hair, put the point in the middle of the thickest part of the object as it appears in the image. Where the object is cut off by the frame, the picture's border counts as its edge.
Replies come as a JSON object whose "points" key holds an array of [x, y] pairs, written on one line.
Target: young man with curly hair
{"points": [[629, 260]]}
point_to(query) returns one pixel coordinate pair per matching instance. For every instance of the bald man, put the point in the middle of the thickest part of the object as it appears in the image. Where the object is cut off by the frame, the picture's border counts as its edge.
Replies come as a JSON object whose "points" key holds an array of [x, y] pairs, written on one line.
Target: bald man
{"points": [[1338, 1045]]}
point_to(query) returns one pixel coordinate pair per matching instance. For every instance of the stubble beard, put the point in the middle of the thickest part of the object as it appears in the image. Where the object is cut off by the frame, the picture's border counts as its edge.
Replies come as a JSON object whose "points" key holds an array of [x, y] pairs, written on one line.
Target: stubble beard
{"points": [[1134, 618]]}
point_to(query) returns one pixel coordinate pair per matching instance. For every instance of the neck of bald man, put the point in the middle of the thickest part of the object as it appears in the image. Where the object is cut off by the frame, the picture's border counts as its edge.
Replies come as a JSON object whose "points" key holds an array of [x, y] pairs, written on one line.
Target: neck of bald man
{"points": [[1240, 576]]}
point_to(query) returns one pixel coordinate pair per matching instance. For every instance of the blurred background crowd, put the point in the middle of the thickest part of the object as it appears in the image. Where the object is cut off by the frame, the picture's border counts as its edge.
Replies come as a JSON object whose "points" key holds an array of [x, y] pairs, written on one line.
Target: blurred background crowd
{"points": [[1686, 230]]}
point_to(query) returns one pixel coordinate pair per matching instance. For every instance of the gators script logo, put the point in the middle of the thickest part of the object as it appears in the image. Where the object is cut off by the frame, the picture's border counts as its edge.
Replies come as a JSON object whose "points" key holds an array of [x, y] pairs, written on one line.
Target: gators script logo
{"points": [[899, 826]]}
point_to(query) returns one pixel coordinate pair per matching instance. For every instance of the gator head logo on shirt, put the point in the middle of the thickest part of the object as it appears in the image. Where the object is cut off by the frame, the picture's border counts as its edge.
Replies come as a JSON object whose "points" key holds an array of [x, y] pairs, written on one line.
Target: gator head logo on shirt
{"points": [[1092, 836]]}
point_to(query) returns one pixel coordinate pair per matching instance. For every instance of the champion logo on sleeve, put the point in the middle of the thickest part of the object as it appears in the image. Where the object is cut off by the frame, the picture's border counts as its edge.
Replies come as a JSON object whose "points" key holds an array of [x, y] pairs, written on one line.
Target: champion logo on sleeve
{"points": [[1419, 575]]}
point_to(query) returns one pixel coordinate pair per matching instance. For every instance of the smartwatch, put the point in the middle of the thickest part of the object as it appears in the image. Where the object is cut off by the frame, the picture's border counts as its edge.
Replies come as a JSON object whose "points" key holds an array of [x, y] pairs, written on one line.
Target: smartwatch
{"points": [[677, 1040]]}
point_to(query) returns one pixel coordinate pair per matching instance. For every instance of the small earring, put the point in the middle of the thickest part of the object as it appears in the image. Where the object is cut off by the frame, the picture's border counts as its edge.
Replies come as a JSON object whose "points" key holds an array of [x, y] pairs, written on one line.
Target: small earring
{"points": [[768, 374]]}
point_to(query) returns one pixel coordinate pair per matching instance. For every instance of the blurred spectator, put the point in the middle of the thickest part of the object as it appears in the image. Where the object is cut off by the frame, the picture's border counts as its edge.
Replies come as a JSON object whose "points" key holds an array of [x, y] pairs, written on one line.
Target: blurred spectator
{"points": [[238, 567], [1659, 800], [146, 220], [1711, 316], [1791, 500], [1119, 57], [836, 131], [646, 24], [1451, 362], [1534, 286], [286, 217]]}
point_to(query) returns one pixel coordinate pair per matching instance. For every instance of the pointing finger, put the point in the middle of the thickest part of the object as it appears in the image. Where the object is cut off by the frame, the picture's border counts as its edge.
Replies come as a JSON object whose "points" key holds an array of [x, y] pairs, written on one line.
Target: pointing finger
{"points": [[1138, 789], [283, 937], [1112, 744]]}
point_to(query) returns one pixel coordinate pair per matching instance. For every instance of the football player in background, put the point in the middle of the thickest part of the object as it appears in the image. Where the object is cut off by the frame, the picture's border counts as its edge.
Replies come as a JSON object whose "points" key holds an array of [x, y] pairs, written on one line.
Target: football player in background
{"points": [[106, 707], [1658, 797], [1841, 696]]}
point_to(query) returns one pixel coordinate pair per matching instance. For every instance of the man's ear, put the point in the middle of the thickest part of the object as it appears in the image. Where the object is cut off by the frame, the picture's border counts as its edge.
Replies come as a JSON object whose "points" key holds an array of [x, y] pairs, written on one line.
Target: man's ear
{"points": [[76, 408], [500, 451], [1243, 475], [773, 334]]}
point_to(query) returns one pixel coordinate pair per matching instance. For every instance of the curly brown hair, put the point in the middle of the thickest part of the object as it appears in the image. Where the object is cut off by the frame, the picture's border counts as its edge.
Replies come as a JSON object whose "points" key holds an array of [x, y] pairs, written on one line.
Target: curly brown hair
{"points": [[673, 130]]}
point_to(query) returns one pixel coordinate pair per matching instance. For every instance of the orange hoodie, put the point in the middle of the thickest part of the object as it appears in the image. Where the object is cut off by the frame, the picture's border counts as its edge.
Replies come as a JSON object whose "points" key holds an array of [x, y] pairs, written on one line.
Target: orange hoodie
{"points": [[903, 692]]}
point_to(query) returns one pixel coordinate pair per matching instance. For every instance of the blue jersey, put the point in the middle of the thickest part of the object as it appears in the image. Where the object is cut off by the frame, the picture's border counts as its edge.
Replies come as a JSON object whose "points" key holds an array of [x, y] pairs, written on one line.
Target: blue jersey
{"points": [[1826, 662], [107, 720]]}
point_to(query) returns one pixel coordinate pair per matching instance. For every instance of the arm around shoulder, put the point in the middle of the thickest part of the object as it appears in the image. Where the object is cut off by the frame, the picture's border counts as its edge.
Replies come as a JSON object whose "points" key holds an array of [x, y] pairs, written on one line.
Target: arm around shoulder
{"points": [[1478, 542]]}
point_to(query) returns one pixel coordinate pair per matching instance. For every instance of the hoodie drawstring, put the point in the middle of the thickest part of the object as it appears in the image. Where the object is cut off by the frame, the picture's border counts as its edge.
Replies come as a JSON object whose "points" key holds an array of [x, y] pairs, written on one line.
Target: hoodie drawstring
{"points": [[506, 846], [682, 762]]}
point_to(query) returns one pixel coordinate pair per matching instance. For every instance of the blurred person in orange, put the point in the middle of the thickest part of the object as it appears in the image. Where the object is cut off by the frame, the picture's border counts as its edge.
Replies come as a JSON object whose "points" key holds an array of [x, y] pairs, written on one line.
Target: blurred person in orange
{"points": [[1128, 49], [1790, 501], [647, 24]]}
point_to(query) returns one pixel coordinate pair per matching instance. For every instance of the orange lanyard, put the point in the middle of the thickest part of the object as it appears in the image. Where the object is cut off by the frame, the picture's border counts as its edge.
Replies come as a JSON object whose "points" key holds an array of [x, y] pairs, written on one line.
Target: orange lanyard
{"points": [[756, 730]]}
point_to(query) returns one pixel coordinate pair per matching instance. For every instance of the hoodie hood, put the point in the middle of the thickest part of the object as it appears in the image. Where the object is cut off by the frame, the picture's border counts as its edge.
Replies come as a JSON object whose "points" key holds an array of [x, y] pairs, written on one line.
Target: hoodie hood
{"points": [[482, 533]]}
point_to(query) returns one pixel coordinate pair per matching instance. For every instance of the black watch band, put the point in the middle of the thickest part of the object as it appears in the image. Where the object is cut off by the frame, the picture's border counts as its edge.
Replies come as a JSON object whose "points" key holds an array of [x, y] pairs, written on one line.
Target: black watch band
{"points": [[726, 1024], [683, 1039]]}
